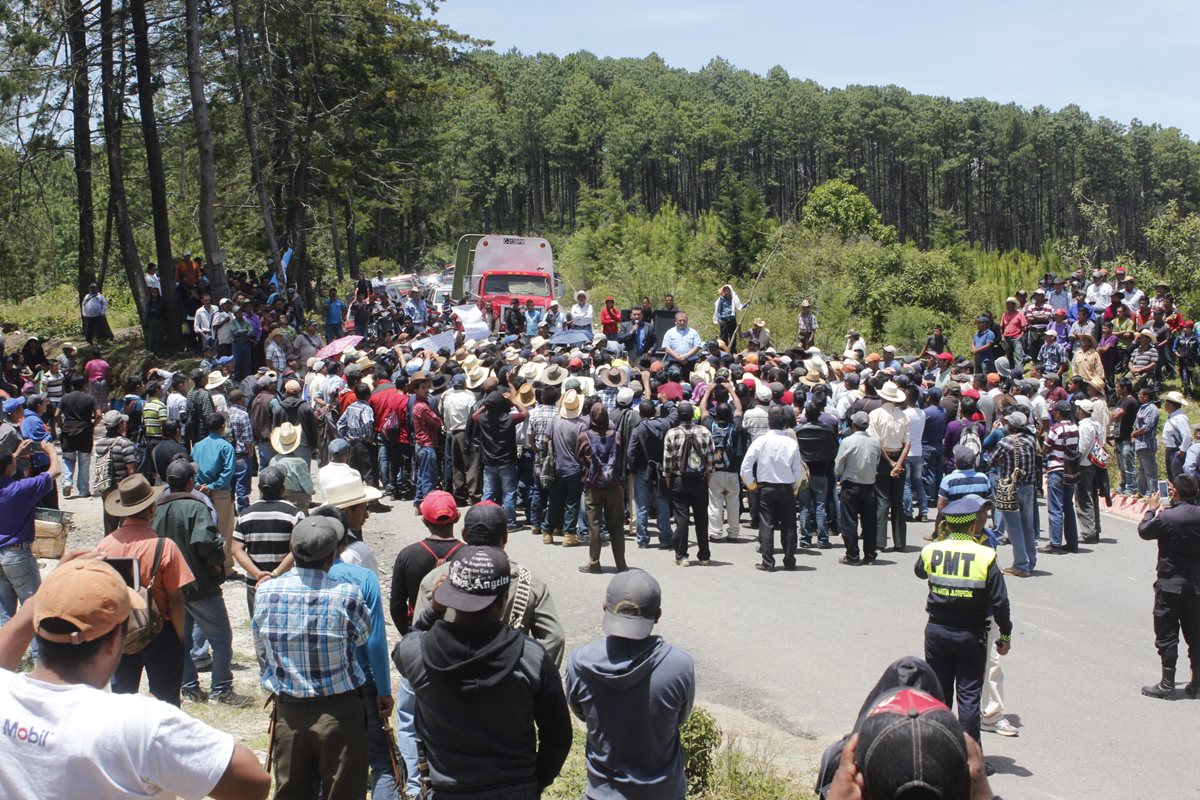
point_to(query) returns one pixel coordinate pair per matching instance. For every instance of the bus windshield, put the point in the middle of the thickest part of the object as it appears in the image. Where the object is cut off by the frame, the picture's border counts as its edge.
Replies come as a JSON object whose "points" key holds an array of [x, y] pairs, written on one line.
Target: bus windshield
{"points": [[523, 285]]}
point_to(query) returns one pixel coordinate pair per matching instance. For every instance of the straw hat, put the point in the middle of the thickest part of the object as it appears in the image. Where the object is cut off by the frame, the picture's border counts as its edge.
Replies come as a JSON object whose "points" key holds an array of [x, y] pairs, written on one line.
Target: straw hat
{"points": [[476, 377], [1176, 398], [891, 393], [216, 379], [471, 362], [133, 494], [526, 394], [613, 377], [813, 378], [285, 439], [572, 403], [554, 375], [537, 343], [349, 490]]}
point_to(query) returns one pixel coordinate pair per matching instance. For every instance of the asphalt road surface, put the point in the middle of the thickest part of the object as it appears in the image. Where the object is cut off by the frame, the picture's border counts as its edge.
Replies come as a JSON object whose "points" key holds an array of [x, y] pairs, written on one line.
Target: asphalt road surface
{"points": [[797, 652]]}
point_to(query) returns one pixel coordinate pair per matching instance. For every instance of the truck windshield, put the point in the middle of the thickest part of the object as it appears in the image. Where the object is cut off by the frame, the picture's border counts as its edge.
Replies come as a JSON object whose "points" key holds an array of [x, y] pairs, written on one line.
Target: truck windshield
{"points": [[523, 285]]}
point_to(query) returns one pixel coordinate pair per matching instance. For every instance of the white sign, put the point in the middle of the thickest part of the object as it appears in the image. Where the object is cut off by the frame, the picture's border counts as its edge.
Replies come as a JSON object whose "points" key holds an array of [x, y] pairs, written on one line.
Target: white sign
{"points": [[474, 325], [435, 342]]}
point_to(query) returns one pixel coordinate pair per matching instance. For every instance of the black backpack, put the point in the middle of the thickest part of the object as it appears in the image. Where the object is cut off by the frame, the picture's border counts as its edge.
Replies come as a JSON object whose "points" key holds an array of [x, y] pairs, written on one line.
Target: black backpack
{"points": [[603, 470]]}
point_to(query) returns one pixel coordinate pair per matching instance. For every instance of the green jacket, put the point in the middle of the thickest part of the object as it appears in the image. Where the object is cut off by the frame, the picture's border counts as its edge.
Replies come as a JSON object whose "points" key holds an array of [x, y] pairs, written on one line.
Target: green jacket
{"points": [[189, 523]]}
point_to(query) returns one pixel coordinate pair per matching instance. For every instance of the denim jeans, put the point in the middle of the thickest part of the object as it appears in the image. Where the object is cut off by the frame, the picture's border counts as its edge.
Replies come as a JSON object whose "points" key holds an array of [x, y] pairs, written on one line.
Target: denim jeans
{"points": [[914, 481], [243, 360], [530, 488], [162, 661], [426, 470], [562, 505], [1127, 465], [1147, 471], [406, 732], [644, 495], [384, 460], [78, 465], [500, 486], [811, 503], [19, 579], [1022, 529], [931, 472], [241, 482], [1060, 507], [213, 618]]}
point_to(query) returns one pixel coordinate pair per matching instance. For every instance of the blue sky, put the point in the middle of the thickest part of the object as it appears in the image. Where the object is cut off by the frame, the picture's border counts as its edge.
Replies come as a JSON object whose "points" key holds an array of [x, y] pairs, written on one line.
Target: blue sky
{"points": [[1123, 60]]}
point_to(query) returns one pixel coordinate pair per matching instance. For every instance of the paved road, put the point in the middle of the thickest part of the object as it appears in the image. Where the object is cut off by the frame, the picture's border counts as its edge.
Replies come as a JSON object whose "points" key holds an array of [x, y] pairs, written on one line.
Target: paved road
{"points": [[798, 651]]}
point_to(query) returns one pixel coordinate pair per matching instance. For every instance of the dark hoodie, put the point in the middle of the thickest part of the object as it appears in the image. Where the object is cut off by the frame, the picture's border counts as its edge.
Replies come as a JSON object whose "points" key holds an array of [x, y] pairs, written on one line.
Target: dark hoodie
{"points": [[633, 694], [294, 409], [906, 673], [481, 689]]}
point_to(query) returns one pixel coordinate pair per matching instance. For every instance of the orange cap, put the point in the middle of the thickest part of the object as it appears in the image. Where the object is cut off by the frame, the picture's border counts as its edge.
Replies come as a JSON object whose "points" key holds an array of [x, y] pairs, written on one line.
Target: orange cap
{"points": [[87, 593]]}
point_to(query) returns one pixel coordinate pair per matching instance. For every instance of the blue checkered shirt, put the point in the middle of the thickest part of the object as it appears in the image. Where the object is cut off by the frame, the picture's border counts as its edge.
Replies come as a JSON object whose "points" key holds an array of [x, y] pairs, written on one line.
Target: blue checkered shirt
{"points": [[240, 430], [309, 626], [358, 423]]}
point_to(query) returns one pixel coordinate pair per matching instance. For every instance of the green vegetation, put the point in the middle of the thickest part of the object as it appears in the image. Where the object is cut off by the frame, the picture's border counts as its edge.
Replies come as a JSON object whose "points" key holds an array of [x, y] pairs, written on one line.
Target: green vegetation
{"points": [[716, 769]]}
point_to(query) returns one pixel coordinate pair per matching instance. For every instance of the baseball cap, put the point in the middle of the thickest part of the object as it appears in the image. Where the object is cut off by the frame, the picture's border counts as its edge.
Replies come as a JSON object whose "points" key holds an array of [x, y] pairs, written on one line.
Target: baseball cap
{"points": [[338, 445], [439, 508], [271, 479], [860, 419], [485, 522], [315, 538], [113, 418], [624, 396], [223, 360], [180, 470], [575, 363], [1063, 406], [909, 740], [945, 356], [477, 576], [763, 393], [993, 378], [631, 604], [89, 595], [1017, 418], [13, 403]]}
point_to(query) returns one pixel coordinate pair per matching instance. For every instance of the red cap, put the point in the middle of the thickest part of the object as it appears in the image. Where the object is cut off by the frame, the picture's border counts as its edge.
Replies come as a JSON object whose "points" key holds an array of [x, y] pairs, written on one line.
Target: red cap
{"points": [[752, 369], [1187, 323], [1062, 312], [787, 397], [945, 356], [575, 363], [971, 393], [439, 508]]}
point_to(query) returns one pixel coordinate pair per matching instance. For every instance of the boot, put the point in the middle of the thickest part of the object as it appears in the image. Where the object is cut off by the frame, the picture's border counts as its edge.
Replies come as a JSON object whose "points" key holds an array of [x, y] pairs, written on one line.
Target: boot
{"points": [[1192, 690], [1165, 688], [548, 537], [537, 531], [571, 540]]}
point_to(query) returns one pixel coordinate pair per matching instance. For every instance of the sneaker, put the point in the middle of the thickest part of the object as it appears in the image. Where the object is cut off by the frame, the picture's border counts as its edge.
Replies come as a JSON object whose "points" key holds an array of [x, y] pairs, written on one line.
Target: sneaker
{"points": [[547, 538], [231, 698], [1001, 726], [194, 695], [853, 562], [682, 562]]}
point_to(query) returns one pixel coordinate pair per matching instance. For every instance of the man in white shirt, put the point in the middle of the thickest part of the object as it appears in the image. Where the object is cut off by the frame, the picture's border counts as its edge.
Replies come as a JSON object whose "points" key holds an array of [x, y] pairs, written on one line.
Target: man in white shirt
{"points": [[152, 279], [338, 469], [379, 283], [773, 468], [1133, 295], [204, 320], [1099, 291], [889, 425], [581, 314], [221, 329], [915, 506], [71, 737]]}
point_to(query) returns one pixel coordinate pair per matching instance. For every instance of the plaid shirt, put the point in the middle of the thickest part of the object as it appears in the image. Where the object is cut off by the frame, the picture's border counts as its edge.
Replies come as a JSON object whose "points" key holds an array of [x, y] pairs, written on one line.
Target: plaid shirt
{"points": [[540, 419], [673, 448], [309, 626], [1016, 452], [240, 429], [357, 424]]}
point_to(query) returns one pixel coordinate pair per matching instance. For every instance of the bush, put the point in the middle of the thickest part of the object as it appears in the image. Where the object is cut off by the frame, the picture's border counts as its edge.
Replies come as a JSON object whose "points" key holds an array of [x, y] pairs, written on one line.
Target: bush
{"points": [[701, 736], [908, 326], [55, 313]]}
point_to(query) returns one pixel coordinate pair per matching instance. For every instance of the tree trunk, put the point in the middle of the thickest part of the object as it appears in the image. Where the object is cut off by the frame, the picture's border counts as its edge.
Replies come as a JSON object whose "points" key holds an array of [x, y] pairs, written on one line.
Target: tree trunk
{"points": [[112, 96], [335, 239], [266, 208], [157, 177], [204, 147], [77, 35], [352, 240]]}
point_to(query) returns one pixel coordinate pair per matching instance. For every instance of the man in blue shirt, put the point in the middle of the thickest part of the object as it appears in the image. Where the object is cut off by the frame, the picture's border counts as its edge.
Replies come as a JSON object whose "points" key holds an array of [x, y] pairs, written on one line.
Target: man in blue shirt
{"points": [[335, 312], [215, 463], [964, 480], [309, 626], [33, 428], [19, 576], [682, 344], [533, 317], [982, 344], [415, 308]]}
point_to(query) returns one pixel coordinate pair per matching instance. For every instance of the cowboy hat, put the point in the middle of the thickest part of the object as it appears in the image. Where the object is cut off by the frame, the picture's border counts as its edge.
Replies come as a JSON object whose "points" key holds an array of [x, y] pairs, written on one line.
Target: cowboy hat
{"points": [[526, 394], [133, 494], [285, 439], [349, 490], [471, 362], [891, 393], [572, 403], [216, 379], [531, 371], [613, 377], [1176, 398], [476, 377], [812, 378], [554, 375], [537, 343], [363, 364], [759, 322]]}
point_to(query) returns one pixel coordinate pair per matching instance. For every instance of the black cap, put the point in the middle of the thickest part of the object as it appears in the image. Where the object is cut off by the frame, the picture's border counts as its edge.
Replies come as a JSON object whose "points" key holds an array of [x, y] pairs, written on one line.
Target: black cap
{"points": [[477, 576], [910, 742], [180, 471], [485, 524], [271, 479]]}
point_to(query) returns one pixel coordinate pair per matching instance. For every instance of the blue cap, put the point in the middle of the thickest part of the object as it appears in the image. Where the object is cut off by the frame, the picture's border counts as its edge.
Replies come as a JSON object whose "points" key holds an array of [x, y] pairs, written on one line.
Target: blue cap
{"points": [[964, 506], [338, 446], [223, 360], [12, 404], [459, 381], [414, 366]]}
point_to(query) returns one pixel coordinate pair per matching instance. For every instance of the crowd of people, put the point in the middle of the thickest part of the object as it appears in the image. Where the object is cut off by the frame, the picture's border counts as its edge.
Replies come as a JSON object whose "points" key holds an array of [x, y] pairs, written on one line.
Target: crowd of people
{"points": [[583, 433]]}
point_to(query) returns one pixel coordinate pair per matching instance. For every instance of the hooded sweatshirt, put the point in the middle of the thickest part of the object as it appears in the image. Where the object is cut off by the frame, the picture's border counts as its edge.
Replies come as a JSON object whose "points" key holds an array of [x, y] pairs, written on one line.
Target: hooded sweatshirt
{"points": [[481, 690], [633, 694]]}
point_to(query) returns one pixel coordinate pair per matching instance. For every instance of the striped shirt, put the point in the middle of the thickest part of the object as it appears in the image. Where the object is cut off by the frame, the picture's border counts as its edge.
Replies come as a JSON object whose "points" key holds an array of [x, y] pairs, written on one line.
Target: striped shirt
{"points": [[309, 626], [357, 424], [1015, 452], [153, 413], [265, 530], [52, 385], [962, 482], [1063, 441]]}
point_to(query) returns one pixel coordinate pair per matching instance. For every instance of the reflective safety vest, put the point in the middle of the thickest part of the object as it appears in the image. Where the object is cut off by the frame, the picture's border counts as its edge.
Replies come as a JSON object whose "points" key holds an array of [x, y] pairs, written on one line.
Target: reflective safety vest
{"points": [[957, 571]]}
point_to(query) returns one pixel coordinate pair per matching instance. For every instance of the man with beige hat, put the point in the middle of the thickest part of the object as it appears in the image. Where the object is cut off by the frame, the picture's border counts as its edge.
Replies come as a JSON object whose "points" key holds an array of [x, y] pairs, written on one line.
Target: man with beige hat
{"points": [[353, 497], [298, 485], [162, 568], [889, 425], [562, 504]]}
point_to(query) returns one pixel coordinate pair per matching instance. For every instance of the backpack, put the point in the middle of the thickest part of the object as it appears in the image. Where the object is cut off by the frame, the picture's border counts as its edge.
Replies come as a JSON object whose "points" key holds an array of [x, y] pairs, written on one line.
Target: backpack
{"points": [[437, 562], [102, 476], [725, 445], [145, 624], [602, 471], [692, 459], [970, 440]]}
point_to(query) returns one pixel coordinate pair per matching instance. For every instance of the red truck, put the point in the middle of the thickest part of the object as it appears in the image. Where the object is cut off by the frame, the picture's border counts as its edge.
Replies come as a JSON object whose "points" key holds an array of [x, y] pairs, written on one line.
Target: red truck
{"points": [[499, 268]]}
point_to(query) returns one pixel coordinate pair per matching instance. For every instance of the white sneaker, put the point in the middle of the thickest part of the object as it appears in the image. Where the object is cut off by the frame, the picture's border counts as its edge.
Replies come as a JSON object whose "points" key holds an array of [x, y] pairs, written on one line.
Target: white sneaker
{"points": [[1001, 726]]}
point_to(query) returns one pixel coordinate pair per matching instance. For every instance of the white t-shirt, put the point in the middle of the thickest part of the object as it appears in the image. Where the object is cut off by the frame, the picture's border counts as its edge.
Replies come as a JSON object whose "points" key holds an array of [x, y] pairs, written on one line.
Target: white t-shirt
{"points": [[76, 741], [360, 553], [916, 429]]}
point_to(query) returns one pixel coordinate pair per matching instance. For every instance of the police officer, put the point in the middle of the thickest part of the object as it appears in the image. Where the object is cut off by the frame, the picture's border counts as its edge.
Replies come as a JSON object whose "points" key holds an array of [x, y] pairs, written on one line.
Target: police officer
{"points": [[1177, 590], [964, 583]]}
